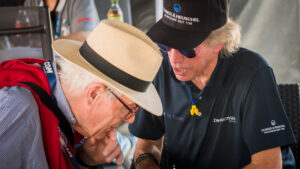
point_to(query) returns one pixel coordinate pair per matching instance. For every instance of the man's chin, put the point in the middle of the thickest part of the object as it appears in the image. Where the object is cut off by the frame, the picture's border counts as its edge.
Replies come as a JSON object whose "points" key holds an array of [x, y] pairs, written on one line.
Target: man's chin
{"points": [[182, 78]]}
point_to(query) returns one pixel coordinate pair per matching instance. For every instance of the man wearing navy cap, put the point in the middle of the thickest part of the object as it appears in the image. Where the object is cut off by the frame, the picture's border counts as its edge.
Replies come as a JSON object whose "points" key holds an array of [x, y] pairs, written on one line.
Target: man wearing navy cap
{"points": [[221, 104]]}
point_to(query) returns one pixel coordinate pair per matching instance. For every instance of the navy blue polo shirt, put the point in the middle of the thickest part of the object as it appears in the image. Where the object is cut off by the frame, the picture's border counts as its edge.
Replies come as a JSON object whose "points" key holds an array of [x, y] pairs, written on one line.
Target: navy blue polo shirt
{"points": [[240, 114]]}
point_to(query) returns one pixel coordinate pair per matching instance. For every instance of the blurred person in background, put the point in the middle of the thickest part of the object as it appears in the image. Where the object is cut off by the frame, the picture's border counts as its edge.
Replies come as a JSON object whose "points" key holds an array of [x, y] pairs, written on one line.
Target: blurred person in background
{"points": [[71, 19]]}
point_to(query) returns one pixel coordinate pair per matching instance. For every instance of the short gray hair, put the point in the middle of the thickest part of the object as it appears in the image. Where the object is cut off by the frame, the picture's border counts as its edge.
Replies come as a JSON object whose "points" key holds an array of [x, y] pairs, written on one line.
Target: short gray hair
{"points": [[229, 34], [76, 78]]}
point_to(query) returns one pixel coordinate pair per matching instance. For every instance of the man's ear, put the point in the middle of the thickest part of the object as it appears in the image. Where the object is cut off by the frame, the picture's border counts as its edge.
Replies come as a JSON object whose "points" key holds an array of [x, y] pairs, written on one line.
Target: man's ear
{"points": [[93, 91]]}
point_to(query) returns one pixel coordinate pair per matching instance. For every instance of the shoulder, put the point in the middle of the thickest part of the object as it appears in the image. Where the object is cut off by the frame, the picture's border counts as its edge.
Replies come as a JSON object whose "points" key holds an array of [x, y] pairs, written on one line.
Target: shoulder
{"points": [[248, 60], [18, 94], [245, 64], [20, 127], [16, 105], [245, 67]]}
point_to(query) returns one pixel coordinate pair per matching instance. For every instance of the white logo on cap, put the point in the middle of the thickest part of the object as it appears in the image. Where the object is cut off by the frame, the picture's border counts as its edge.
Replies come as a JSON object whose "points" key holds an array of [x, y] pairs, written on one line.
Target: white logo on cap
{"points": [[273, 122], [180, 18]]}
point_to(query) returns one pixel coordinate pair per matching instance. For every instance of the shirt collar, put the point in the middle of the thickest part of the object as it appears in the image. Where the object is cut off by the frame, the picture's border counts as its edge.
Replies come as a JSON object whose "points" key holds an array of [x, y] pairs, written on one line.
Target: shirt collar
{"points": [[62, 102]]}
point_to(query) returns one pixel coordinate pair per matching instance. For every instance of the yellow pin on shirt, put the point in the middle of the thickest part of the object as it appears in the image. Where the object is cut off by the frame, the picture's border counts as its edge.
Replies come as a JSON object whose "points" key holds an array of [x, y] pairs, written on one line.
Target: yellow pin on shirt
{"points": [[194, 110]]}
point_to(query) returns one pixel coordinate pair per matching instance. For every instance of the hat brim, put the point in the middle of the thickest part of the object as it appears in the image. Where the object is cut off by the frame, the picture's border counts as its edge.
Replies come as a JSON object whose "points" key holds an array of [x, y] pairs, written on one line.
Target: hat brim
{"points": [[148, 100], [175, 38]]}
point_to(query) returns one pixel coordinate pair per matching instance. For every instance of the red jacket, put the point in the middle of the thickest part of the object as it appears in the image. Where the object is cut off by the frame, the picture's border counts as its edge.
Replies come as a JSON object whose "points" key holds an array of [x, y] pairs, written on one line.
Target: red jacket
{"points": [[25, 70]]}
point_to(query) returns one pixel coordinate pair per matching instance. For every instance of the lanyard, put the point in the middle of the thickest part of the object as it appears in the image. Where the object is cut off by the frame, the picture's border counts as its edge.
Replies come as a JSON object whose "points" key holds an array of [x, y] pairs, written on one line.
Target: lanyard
{"points": [[49, 71], [64, 142], [57, 24], [194, 110]]}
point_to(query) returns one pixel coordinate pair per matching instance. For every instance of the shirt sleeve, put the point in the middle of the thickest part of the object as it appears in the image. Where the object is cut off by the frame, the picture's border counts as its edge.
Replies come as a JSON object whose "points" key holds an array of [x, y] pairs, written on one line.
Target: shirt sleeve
{"points": [[20, 130], [84, 16], [147, 126], [265, 123]]}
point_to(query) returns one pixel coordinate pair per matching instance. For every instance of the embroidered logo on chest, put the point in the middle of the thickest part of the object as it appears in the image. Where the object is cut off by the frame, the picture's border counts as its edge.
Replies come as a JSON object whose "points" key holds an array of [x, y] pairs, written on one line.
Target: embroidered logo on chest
{"points": [[173, 116], [230, 119]]}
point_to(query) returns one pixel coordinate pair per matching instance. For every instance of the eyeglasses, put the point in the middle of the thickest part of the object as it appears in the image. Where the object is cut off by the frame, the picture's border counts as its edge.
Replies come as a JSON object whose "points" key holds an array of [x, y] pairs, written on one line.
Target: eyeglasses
{"points": [[131, 112], [189, 53]]}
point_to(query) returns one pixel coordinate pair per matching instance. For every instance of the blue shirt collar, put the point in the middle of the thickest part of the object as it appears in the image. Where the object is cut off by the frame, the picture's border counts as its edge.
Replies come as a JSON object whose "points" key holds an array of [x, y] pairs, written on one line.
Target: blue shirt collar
{"points": [[62, 102]]}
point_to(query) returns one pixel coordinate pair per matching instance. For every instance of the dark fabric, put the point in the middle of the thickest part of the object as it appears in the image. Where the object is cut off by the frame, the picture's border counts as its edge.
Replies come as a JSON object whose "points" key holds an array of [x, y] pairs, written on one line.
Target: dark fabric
{"points": [[241, 115], [12, 3], [185, 24], [175, 38], [53, 19]]}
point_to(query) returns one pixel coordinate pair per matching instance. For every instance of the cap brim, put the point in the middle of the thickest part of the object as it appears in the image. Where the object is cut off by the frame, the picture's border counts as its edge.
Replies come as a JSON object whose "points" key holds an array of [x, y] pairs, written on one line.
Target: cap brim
{"points": [[175, 38], [148, 100]]}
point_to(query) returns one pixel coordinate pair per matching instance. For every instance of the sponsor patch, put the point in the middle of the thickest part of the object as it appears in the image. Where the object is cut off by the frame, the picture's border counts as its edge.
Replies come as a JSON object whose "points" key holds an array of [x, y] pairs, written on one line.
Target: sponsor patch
{"points": [[85, 20], [273, 128], [173, 116], [230, 119]]}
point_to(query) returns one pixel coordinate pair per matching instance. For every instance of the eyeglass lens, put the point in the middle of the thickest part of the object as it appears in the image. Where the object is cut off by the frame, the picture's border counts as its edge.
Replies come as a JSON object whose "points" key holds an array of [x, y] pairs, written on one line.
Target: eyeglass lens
{"points": [[190, 53], [131, 112]]}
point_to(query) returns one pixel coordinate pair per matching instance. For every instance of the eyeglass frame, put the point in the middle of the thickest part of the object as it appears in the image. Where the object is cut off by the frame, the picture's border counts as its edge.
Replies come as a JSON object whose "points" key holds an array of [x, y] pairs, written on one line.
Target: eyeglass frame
{"points": [[130, 113], [189, 53]]}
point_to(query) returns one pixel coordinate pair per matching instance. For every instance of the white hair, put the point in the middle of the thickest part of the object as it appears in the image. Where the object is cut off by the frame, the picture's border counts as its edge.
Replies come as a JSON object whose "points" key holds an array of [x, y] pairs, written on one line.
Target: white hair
{"points": [[229, 35], [78, 79]]}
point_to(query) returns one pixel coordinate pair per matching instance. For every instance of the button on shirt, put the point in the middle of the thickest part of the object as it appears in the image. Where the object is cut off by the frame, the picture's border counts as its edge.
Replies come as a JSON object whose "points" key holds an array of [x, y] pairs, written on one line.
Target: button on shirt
{"points": [[20, 129]]}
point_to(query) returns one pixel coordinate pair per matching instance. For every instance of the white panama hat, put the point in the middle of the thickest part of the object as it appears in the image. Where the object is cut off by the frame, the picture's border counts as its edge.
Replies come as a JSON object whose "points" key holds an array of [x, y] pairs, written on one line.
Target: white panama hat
{"points": [[122, 56]]}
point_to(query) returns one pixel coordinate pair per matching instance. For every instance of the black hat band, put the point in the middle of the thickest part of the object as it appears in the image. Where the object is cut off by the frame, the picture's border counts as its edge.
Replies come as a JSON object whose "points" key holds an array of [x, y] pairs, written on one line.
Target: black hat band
{"points": [[112, 71]]}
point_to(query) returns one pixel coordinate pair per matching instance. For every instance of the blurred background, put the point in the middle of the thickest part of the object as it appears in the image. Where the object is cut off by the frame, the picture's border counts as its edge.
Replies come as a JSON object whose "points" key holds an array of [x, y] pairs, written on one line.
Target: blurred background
{"points": [[269, 27]]}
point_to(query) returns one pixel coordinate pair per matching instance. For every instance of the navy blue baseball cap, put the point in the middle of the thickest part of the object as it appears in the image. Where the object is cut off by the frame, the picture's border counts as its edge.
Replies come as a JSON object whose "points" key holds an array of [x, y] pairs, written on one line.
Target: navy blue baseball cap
{"points": [[187, 23]]}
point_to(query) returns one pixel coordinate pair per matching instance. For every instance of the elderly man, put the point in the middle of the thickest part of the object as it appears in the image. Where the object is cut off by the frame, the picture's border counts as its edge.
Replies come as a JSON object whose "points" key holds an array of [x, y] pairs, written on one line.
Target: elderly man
{"points": [[63, 114], [221, 104]]}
